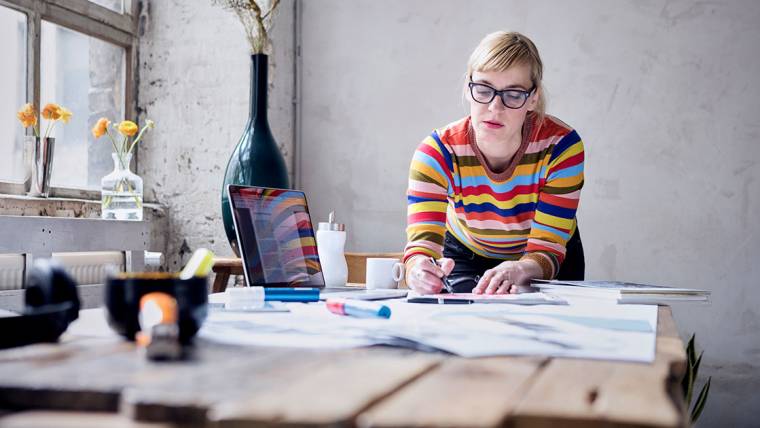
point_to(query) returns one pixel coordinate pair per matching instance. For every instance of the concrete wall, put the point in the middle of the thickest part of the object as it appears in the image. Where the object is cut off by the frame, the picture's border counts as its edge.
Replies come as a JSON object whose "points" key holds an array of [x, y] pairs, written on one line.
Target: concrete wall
{"points": [[665, 96], [194, 82]]}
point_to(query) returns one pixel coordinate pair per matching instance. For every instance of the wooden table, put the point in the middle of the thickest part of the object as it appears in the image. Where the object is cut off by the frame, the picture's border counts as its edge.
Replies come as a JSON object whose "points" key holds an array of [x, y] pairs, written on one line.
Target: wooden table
{"points": [[93, 382]]}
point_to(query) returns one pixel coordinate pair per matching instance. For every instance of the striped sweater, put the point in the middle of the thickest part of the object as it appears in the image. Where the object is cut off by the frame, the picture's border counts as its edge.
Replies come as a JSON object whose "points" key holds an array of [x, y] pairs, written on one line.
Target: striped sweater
{"points": [[525, 212]]}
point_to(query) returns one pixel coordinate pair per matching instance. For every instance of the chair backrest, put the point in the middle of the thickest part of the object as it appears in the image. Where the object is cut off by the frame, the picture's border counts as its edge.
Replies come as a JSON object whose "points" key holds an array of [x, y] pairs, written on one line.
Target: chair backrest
{"points": [[357, 264], [357, 268]]}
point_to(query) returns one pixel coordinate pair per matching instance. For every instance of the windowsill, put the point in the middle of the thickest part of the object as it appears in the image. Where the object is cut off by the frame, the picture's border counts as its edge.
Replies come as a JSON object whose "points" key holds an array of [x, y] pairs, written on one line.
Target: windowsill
{"points": [[64, 207]]}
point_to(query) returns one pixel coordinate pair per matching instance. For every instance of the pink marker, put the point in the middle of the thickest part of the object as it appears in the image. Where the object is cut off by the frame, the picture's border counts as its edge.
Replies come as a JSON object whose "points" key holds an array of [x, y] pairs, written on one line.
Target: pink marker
{"points": [[358, 308]]}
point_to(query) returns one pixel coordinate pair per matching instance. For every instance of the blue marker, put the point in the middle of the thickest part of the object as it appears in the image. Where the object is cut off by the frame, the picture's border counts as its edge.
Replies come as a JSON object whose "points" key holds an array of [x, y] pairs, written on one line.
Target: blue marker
{"points": [[291, 294], [358, 308]]}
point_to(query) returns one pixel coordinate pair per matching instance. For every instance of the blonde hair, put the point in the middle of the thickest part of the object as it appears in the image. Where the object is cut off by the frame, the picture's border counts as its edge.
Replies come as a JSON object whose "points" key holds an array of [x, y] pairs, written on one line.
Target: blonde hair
{"points": [[501, 50]]}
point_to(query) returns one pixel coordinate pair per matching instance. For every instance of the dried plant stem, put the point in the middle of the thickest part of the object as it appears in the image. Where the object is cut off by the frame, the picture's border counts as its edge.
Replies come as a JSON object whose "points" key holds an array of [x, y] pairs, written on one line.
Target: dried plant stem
{"points": [[255, 21]]}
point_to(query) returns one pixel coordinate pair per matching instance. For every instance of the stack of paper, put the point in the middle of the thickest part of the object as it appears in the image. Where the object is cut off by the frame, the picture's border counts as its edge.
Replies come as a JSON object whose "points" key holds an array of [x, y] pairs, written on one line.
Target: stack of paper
{"points": [[622, 292]]}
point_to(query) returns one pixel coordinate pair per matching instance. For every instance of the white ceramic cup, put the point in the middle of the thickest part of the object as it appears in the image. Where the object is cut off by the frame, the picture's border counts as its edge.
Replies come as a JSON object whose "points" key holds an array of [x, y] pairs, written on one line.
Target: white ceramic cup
{"points": [[384, 273]]}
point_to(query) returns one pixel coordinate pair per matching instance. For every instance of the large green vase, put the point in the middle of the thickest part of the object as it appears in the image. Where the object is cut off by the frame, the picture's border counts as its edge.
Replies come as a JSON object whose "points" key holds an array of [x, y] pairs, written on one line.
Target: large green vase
{"points": [[256, 160]]}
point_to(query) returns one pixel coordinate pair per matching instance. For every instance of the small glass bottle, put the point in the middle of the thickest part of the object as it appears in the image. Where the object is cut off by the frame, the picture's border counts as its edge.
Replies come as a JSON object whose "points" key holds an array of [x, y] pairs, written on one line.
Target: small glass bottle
{"points": [[331, 241], [122, 191]]}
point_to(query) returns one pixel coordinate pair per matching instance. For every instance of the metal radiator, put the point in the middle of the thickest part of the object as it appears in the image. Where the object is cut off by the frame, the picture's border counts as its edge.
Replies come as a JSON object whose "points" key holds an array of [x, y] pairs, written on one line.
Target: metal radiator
{"points": [[85, 267]]}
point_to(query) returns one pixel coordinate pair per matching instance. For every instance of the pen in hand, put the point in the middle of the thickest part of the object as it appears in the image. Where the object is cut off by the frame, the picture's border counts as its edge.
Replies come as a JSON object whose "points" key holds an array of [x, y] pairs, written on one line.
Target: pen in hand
{"points": [[444, 278]]}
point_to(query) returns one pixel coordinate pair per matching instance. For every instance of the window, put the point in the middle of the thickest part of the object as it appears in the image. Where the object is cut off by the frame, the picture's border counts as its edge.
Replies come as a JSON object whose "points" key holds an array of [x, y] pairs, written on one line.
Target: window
{"points": [[120, 6], [13, 89], [79, 54], [86, 75]]}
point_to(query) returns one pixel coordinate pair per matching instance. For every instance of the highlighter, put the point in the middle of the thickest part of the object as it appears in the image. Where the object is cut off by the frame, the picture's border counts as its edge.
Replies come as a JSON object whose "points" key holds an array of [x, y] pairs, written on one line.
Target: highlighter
{"points": [[358, 308], [200, 264]]}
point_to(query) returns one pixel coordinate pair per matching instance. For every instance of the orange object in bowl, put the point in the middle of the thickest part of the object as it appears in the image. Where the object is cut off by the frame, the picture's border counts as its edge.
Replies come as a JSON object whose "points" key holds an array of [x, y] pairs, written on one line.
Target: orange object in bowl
{"points": [[124, 292]]}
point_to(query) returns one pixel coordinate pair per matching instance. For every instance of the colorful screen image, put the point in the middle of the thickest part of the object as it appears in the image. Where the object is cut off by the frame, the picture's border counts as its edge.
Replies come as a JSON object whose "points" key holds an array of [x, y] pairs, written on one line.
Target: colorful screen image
{"points": [[276, 237]]}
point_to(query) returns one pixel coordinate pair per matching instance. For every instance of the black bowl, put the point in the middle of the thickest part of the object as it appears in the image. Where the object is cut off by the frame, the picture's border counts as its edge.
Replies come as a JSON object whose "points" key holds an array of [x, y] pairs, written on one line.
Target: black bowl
{"points": [[124, 291]]}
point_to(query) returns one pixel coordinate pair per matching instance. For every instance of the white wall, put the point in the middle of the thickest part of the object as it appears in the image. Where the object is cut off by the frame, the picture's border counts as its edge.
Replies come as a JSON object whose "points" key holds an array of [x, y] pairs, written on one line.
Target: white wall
{"points": [[194, 83], [665, 96]]}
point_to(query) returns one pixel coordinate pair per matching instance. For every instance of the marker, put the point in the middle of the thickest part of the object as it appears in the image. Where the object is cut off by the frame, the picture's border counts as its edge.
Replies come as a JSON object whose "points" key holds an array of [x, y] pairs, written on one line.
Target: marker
{"points": [[358, 308], [289, 294], [240, 298], [200, 264]]}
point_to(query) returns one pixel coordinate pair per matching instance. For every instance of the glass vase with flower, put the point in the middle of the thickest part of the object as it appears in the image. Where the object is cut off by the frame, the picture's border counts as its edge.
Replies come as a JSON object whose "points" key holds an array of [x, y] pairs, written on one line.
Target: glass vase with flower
{"points": [[38, 149], [122, 189]]}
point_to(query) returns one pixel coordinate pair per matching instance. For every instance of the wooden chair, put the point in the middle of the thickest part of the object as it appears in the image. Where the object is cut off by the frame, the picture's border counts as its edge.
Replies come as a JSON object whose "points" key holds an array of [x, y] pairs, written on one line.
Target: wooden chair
{"points": [[357, 268]]}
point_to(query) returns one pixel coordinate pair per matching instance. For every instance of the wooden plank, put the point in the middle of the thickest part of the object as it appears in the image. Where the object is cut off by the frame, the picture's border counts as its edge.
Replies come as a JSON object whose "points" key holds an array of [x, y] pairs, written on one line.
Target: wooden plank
{"points": [[64, 376], [98, 13], [333, 393], [186, 393], [670, 347], [47, 419], [96, 375], [232, 264], [584, 392], [89, 26], [461, 392], [587, 393]]}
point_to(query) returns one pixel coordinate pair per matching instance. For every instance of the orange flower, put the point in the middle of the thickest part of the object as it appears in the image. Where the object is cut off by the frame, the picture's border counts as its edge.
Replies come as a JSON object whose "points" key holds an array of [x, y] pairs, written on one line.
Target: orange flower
{"points": [[128, 128], [27, 115], [100, 128], [65, 115], [51, 111]]}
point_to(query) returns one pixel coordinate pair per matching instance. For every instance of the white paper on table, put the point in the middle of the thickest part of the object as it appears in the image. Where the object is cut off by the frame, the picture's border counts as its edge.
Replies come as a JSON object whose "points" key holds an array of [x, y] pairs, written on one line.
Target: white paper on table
{"points": [[560, 331], [611, 332]]}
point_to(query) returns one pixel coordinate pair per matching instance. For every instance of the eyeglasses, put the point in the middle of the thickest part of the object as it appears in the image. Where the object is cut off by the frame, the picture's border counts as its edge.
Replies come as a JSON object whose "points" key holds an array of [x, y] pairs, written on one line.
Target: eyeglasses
{"points": [[511, 98]]}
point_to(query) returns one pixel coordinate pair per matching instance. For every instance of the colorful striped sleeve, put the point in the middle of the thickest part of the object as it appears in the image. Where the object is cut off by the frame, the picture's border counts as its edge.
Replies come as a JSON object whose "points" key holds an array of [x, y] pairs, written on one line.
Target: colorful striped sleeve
{"points": [[554, 221], [427, 199]]}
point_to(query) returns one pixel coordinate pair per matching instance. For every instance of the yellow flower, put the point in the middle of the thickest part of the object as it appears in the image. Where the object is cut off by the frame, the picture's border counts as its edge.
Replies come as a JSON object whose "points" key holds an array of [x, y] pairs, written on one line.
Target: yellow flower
{"points": [[27, 115], [128, 128], [65, 115], [100, 128], [51, 111]]}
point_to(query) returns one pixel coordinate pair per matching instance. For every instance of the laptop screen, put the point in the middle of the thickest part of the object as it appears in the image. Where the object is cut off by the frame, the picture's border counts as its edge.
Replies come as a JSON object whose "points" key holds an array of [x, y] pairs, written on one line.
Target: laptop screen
{"points": [[276, 237]]}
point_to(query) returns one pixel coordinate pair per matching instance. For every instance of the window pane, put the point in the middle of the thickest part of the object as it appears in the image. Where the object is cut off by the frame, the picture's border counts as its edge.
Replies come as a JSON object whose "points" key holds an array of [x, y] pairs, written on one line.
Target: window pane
{"points": [[13, 90], [115, 5], [85, 75]]}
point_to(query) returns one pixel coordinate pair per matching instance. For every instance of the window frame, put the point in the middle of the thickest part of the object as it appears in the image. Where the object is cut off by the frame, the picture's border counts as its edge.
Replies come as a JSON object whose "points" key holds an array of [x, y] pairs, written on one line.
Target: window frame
{"points": [[92, 20]]}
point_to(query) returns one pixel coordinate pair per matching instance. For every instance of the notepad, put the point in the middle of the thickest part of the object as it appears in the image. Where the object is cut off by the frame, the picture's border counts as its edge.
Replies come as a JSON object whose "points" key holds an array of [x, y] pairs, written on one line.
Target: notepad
{"points": [[622, 292], [516, 299]]}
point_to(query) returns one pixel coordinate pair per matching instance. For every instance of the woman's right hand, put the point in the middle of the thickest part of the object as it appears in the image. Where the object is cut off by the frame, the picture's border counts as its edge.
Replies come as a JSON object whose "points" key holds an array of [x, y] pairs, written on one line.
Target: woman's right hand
{"points": [[424, 277]]}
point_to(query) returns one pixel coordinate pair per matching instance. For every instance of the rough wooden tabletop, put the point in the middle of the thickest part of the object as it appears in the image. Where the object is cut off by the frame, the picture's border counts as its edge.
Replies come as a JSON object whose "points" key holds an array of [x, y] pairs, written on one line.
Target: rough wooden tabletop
{"points": [[236, 386]]}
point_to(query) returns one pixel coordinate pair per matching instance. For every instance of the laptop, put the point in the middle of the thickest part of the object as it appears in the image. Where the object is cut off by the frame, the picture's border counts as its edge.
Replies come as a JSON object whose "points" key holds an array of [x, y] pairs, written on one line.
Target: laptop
{"points": [[277, 241]]}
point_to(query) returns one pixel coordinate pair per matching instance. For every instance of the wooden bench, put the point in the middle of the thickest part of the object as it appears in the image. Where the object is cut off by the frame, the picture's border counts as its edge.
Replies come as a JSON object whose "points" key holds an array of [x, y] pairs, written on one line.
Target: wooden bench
{"points": [[357, 266]]}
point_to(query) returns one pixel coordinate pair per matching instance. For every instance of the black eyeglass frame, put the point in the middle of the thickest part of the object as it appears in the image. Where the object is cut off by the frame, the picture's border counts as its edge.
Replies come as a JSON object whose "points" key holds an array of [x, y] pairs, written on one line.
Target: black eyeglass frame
{"points": [[525, 94]]}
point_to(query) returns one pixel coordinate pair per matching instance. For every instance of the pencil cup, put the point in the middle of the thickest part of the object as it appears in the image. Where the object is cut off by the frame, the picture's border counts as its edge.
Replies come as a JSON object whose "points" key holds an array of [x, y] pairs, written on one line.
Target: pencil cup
{"points": [[384, 273]]}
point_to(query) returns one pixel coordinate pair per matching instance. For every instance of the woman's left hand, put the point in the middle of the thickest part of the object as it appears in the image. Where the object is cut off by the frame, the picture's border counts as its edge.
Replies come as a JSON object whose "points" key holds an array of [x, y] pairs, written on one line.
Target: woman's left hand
{"points": [[505, 277]]}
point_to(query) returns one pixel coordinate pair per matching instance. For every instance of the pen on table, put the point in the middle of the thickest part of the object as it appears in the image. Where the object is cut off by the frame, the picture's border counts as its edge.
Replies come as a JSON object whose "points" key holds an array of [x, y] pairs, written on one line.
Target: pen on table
{"points": [[439, 300], [446, 284], [358, 308]]}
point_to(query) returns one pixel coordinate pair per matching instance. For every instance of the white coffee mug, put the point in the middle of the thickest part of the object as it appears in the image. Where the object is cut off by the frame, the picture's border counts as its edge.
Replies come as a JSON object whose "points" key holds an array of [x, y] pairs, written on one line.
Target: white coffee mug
{"points": [[384, 273]]}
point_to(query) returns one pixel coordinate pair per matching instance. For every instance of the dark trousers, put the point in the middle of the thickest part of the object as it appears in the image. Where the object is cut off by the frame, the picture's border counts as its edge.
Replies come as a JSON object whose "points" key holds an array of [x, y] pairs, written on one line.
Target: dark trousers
{"points": [[468, 265]]}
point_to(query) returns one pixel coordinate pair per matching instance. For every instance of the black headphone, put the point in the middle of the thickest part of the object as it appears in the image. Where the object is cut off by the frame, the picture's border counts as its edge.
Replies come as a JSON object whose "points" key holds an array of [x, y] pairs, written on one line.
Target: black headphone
{"points": [[51, 303]]}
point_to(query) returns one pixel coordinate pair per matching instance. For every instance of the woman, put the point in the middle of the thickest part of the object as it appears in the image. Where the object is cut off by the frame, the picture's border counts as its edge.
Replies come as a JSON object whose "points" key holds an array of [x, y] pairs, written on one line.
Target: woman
{"points": [[492, 197]]}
